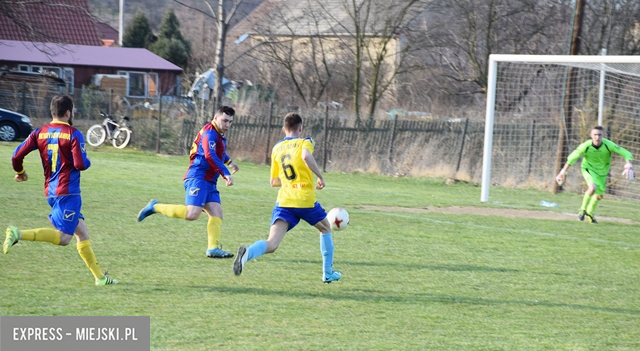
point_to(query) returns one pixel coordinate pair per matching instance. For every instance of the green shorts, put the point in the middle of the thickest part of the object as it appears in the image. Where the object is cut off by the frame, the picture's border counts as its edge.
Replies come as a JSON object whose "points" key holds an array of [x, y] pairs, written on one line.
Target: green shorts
{"points": [[598, 180]]}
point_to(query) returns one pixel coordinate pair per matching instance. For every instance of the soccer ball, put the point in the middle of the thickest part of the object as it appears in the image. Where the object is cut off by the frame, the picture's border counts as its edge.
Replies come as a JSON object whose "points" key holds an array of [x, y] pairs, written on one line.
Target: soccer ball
{"points": [[339, 218]]}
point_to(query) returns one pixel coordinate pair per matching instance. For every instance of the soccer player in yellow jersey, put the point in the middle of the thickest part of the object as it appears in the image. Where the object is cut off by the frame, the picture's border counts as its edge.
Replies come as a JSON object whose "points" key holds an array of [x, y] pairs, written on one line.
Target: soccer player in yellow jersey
{"points": [[595, 166], [292, 169]]}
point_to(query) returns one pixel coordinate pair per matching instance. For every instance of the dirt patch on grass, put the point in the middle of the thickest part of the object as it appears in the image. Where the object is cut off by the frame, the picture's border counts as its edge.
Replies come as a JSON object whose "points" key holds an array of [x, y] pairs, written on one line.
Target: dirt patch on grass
{"points": [[502, 212]]}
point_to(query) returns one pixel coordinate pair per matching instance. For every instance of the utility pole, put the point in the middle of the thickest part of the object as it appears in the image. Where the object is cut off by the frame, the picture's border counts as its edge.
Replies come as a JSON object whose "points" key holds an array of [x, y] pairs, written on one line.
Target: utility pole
{"points": [[218, 91], [566, 125], [121, 23]]}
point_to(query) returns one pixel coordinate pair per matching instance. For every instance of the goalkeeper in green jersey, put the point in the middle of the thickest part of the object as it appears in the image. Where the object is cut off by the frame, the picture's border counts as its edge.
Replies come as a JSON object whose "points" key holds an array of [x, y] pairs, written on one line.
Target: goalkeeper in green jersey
{"points": [[595, 167]]}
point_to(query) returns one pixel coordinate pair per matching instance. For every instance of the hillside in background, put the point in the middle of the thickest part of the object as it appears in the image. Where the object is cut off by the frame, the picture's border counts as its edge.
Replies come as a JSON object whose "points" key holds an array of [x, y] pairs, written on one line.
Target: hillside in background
{"points": [[196, 27], [108, 10]]}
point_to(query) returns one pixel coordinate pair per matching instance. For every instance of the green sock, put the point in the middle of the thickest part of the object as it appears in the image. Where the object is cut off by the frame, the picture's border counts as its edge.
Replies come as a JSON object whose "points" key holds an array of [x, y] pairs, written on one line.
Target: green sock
{"points": [[585, 201], [591, 208]]}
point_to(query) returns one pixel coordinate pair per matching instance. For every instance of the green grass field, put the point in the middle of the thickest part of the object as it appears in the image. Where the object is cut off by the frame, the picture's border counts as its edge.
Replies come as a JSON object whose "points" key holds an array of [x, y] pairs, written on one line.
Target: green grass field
{"points": [[411, 280]]}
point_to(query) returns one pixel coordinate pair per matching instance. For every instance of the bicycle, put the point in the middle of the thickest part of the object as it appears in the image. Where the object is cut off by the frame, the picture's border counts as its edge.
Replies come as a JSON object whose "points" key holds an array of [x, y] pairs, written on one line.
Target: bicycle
{"points": [[118, 133]]}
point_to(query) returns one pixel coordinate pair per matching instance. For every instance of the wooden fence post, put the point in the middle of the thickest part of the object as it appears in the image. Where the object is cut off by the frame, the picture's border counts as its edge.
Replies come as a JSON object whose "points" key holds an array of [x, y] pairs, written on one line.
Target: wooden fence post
{"points": [[533, 135], [266, 153], [159, 125], [324, 140], [464, 135], [24, 98], [393, 138], [109, 101]]}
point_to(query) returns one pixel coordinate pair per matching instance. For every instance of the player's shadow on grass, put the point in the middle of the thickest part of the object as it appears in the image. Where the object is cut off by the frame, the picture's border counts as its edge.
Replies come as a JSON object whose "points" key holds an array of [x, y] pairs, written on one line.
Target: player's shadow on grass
{"points": [[361, 295], [449, 268]]}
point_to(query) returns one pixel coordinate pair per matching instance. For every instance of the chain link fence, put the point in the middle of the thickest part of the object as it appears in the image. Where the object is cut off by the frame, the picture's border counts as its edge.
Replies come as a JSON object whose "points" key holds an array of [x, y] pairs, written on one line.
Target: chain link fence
{"points": [[426, 146]]}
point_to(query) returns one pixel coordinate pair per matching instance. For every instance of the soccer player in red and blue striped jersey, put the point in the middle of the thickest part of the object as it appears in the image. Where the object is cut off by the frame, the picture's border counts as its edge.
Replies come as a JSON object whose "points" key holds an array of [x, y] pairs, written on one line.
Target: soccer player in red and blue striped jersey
{"points": [[62, 151], [208, 161]]}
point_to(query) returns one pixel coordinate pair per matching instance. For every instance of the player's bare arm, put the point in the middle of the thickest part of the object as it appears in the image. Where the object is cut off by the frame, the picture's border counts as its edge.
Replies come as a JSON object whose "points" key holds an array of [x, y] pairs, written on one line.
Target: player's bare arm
{"points": [[310, 161]]}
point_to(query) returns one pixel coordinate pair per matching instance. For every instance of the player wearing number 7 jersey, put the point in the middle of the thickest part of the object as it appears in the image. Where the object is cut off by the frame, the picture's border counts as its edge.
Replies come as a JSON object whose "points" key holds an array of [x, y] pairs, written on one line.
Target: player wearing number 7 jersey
{"points": [[292, 169], [63, 155]]}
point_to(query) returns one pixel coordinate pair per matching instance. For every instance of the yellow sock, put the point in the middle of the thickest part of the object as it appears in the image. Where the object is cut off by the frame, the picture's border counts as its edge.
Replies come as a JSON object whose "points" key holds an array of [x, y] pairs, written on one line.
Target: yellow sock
{"points": [[173, 211], [86, 252], [48, 235], [214, 232]]}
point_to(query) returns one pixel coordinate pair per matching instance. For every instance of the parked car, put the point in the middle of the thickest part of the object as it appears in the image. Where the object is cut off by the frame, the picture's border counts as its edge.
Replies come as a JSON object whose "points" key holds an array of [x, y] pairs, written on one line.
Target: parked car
{"points": [[14, 125]]}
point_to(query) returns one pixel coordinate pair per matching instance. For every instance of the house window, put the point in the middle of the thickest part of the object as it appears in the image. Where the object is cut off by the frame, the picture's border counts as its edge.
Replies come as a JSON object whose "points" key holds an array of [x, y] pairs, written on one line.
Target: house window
{"points": [[65, 73], [141, 84], [152, 84], [47, 69], [136, 84], [68, 79]]}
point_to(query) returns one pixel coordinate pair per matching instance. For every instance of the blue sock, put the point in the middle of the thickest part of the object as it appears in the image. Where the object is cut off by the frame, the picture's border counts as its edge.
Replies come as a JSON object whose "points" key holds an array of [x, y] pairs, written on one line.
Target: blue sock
{"points": [[326, 249], [256, 249]]}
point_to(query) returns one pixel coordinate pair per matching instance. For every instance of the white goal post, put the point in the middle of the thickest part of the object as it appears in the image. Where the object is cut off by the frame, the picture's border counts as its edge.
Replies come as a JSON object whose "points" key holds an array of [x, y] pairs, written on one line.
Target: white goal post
{"points": [[534, 101]]}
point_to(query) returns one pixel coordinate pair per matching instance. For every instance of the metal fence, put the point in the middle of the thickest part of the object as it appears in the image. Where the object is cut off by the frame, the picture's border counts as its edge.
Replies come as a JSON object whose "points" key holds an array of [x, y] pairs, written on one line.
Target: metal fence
{"points": [[439, 147]]}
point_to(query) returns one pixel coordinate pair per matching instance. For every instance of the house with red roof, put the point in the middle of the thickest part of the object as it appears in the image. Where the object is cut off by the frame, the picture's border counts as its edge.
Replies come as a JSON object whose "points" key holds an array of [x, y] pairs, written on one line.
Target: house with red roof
{"points": [[109, 35], [145, 74], [61, 38]]}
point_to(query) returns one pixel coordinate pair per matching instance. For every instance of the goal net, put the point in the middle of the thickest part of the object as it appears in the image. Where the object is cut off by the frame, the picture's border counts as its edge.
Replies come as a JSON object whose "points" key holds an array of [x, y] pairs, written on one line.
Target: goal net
{"points": [[539, 108]]}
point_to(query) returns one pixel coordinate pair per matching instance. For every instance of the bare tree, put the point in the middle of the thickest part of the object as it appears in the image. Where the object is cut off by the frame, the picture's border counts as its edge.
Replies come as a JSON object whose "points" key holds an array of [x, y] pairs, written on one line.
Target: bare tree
{"points": [[613, 25], [371, 31], [387, 60], [222, 18], [321, 45], [463, 33], [292, 41]]}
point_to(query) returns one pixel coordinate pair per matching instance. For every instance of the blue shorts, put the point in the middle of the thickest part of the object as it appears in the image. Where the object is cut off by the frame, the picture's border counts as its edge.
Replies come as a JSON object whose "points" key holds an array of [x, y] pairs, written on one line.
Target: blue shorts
{"points": [[198, 192], [293, 215], [65, 212]]}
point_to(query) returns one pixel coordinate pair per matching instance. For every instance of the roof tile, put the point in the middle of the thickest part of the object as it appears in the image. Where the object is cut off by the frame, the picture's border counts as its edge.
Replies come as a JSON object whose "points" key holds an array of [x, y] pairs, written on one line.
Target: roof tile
{"points": [[58, 21]]}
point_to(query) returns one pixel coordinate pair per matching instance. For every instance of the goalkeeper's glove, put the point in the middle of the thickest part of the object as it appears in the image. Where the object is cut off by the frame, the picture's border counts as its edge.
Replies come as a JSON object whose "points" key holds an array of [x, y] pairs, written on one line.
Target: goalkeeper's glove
{"points": [[628, 171], [560, 178]]}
